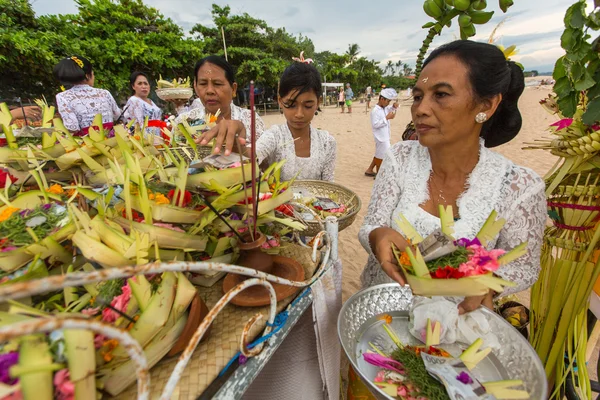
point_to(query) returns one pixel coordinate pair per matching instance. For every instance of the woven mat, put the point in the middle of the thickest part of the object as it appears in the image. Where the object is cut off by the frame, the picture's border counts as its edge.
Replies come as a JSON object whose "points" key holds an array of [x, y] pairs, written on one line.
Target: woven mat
{"points": [[222, 344]]}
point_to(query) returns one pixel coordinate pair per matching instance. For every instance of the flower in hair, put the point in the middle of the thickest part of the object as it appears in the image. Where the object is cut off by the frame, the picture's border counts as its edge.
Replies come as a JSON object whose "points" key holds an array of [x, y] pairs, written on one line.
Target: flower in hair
{"points": [[77, 61], [302, 59]]}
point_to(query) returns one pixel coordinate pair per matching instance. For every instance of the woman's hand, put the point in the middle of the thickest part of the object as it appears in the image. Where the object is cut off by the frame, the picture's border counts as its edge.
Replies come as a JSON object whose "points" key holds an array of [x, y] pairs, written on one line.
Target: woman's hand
{"points": [[226, 131], [472, 303], [381, 240], [32, 113]]}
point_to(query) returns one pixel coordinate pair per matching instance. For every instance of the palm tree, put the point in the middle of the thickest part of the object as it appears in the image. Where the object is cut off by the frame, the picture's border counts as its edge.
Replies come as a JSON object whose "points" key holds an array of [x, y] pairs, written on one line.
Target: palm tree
{"points": [[399, 66], [388, 67], [353, 52], [407, 70]]}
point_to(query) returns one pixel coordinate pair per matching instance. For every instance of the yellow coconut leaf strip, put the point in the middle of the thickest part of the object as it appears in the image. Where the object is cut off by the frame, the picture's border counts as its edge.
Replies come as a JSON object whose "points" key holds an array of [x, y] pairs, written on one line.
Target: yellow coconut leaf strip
{"points": [[491, 228], [444, 287], [418, 263], [97, 251], [494, 283], [447, 220], [388, 329], [166, 238], [512, 255], [5, 119], [187, 131], [408, 230]]}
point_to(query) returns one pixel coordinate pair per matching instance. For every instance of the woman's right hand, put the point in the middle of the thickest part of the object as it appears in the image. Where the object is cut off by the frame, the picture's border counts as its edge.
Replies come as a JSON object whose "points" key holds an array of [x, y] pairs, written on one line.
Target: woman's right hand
{"points": [[381, 240], [226, 131]]}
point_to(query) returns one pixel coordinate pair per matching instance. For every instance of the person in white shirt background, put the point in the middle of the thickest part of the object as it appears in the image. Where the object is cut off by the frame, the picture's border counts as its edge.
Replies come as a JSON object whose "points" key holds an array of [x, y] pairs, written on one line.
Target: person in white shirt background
{"points": [[380, 122]]}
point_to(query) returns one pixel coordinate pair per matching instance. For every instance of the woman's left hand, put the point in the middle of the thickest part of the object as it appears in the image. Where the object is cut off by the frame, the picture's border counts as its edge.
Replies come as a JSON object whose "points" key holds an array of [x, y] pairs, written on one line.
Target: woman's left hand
{"points": [[472, 303]]}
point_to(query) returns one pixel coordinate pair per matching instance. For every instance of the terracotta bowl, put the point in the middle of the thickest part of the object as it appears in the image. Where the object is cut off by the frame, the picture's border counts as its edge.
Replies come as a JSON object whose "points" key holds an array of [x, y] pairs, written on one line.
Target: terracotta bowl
{"points": [[198, 311]]}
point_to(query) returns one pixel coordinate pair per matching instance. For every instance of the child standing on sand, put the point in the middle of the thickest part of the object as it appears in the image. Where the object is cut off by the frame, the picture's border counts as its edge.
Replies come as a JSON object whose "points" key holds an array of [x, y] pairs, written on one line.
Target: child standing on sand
{"points": [[380, 122]]}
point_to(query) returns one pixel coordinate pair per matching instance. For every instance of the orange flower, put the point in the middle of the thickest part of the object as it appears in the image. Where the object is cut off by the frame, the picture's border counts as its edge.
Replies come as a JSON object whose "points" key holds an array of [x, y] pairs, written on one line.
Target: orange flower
{"points": [[212, 118], [404, 260], [107, 349], [56, 189], [151, 196], [161, 199], [136, 137], [7, 212], [386, 317]]}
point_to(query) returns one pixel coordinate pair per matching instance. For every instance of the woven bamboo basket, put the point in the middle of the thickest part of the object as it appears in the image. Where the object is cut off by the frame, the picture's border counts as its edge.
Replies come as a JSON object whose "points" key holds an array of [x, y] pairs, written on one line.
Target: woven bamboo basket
{"points": [[174, 93], [329, 189]]}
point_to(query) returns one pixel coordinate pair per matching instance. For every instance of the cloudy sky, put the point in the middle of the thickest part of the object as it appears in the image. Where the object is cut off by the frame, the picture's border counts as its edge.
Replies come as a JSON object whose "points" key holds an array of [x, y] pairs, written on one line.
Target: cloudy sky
{"points": [[383, 30]]}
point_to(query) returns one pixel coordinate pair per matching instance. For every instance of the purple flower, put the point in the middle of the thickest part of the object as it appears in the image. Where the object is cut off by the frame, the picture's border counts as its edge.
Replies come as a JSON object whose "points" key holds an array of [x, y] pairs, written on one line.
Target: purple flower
{"points": [[235, 217], [46, 207], [25, 212], [464, 242], [464, 378], [243, 359], [384, 362], [6, 361]]}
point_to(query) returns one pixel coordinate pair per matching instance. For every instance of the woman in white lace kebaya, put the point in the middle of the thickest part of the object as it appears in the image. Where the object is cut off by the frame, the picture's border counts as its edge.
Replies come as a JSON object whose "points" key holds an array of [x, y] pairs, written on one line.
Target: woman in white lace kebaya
{"points": [[139, 106], [309, 153], [80, 104], [465, 101], [214, 83]]}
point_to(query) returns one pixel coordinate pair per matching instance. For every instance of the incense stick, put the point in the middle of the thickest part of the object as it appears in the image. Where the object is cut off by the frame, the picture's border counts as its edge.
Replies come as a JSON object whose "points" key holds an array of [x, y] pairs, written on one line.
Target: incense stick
{"points": [[253, 152], [222, 218], [245, 187]]}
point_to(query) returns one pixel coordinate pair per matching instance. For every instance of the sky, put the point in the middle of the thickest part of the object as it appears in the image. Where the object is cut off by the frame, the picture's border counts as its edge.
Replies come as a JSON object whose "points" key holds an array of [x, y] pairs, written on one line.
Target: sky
{"points": [[384, 31]]}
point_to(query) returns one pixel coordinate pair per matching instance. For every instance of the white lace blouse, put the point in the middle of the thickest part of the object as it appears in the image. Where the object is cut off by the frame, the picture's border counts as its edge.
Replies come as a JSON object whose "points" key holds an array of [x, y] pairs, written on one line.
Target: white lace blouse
{"points": [[516, 193], [79, 105], [277, 144], [237, 114], [137, 109]]}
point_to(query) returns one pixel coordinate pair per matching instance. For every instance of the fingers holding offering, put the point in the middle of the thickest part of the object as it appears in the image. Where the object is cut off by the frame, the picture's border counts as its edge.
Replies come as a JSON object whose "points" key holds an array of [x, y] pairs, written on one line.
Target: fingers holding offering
{"points": [[225, 133], [472, 303], [382, 240]]}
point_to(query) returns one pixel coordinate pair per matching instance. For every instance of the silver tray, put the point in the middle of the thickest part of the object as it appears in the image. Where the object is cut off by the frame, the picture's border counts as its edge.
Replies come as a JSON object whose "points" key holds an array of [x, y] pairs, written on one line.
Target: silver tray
{"points": [[358, 325]]}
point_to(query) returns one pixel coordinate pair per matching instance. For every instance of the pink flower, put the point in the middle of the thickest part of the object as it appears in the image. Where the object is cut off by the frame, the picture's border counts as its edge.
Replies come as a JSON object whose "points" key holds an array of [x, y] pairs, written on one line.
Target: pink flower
{"points": [[120, 303], [169, 226], [99, 341], [380, 376], [90, 311], [9, 248], [481, 261], [64, 388], [563, 123], [402, 392]]}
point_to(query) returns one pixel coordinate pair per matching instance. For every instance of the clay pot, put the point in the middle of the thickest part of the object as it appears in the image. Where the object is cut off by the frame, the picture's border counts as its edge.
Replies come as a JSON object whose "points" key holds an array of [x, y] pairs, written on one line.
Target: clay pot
{"points": [[252, 256], [197, 312]]}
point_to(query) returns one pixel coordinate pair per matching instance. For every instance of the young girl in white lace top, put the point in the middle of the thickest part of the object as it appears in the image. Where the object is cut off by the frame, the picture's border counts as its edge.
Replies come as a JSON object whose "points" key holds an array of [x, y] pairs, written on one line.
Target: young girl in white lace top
{"points": [[310, 153], [465, 101], [79, 105]]}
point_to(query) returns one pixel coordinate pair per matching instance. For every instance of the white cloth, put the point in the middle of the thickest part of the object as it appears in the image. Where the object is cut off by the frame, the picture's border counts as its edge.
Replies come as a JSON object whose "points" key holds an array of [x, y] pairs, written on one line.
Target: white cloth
{"points": [[381, 129], [79, 105], [137, 109], [381, 148], [299, 369], [277, 144], [389, 93], [465, 328], [237, 114], [515, 192]]}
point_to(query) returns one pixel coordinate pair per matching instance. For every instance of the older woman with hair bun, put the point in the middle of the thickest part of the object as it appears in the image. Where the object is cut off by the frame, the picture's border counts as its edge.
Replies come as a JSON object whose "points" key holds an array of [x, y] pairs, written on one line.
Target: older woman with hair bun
{"points": [[465, 101]]}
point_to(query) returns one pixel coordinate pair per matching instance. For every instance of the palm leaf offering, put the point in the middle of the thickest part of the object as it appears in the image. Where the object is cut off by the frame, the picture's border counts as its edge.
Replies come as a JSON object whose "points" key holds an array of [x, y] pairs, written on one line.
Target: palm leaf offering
{"points": [[440, 265], [115, 199]]}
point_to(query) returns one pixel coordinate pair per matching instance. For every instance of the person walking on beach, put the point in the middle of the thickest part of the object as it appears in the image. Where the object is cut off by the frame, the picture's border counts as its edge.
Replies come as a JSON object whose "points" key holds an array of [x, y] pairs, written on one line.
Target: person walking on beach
{"points": [[380, 122], [341, 99], [368, 94], [349, 94]]}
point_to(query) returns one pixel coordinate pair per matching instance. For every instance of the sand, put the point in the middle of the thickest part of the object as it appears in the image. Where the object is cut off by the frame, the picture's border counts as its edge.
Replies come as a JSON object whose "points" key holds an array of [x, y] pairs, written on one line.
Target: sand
{"points": [[356, 148]]}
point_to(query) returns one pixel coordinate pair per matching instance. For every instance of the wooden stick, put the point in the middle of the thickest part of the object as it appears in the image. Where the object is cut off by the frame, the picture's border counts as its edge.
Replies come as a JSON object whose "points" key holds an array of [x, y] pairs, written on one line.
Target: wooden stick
{"points": [[253, 153]]}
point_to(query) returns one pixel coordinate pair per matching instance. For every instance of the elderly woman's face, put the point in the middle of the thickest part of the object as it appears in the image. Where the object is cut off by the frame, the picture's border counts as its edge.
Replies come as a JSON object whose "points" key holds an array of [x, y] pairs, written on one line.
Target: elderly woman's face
{"points": [[444, 108], [214, 89]]}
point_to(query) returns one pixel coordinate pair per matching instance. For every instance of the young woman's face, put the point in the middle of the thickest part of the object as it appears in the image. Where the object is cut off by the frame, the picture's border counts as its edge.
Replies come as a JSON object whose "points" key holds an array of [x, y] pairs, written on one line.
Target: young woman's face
{"points": [[300, 113], [213, 88], [444, 107], [141, 87]]}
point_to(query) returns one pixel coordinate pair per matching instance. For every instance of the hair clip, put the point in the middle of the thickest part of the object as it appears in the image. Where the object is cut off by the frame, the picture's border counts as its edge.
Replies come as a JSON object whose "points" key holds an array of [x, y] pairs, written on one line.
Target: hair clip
{"points": [[302, 59], [77, 61]]}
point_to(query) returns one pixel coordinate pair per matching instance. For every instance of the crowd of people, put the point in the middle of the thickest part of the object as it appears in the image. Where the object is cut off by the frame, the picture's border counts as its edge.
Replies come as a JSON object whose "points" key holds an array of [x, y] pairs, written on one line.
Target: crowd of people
{"points": [[464, 102]]}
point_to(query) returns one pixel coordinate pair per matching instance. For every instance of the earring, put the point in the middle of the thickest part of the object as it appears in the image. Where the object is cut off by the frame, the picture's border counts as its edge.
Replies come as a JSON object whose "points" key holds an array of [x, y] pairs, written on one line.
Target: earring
{"points": [[481, 118]]}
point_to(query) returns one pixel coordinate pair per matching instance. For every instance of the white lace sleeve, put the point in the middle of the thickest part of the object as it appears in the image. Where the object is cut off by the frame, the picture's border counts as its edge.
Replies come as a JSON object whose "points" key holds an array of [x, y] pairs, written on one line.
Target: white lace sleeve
{"points": [[525, 223], [113, 104], [67, 114], [384, 197], [266, 146], [330, 153], [135, 110]]}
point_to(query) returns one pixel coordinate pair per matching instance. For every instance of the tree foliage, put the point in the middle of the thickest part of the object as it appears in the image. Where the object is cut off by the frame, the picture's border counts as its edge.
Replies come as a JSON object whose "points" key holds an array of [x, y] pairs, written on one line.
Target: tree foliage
{"points": [[118, 37]]}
